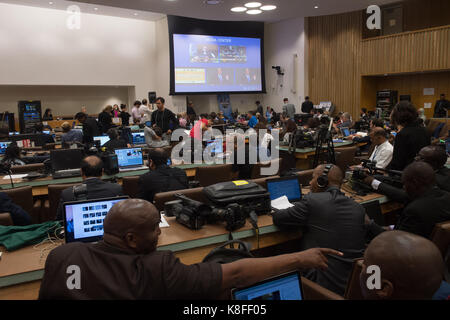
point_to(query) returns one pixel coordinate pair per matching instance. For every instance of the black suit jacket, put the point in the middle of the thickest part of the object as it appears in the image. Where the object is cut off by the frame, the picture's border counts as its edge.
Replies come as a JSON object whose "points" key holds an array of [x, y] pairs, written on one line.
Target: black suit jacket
{"points": [[307, 106], [329, 220], [90, 130], [19, 216], [408, 143], [421, 214], [163, 179], [96, 189], [443, 179]]}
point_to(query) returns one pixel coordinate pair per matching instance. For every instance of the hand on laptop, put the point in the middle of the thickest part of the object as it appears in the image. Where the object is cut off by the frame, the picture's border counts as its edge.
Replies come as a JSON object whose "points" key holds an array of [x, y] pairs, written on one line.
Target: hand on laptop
{"points": [[316, 258]]}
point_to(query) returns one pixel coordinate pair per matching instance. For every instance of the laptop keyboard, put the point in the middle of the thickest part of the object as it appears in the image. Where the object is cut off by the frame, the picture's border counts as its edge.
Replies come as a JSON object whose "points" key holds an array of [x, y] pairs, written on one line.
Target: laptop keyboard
{"points": [[69, 173]]}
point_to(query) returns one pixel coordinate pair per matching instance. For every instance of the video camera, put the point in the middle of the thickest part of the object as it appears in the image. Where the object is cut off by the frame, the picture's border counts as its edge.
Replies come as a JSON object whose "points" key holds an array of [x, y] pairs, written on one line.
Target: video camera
{"points": [[358, 175], [195, 214]]}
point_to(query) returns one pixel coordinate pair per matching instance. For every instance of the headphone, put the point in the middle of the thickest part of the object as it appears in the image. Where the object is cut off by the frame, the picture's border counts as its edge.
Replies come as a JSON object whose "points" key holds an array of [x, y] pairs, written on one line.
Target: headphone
{"points": [[322, 181]]}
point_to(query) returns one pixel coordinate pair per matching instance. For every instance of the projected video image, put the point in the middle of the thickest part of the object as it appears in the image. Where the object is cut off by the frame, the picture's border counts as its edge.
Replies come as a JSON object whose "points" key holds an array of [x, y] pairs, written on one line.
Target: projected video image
{"points": [[233, 54], [220, 76], [206, 53], [209, 64]]}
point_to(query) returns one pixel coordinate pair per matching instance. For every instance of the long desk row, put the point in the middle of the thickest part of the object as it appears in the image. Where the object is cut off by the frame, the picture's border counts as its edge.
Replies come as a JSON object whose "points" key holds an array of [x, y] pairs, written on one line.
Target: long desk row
{"points": [[21, 271]]}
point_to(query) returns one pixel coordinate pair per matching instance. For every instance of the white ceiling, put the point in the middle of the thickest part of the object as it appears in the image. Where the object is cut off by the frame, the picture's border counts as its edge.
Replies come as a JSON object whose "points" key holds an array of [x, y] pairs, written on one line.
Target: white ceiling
{"points": [[156, 9]]}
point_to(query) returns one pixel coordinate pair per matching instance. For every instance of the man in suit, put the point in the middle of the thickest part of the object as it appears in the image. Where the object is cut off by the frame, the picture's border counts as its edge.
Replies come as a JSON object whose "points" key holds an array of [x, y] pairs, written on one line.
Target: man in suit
{"points": [[428, 204], [93, 186], [288, 108], [90, 127], [441, 107], [19, 216], [43, 138], [328, 218], [307, 106], [161, 177]]}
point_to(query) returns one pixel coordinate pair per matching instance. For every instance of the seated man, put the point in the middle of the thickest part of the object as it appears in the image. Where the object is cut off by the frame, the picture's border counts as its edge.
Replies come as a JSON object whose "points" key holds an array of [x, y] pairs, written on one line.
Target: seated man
{"points": [[43, 138], [126, 264], [115, 142], [96, 188], [253, 120], [161, 177], [429, 204], [382, 154], [153, 138], [329, 219], [70, 136], [411, 267], [19, 216]]}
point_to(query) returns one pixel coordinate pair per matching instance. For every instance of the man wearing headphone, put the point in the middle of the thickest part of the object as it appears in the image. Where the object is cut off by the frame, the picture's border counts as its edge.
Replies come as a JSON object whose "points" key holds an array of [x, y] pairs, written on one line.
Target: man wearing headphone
{"points": [[328, 219]]}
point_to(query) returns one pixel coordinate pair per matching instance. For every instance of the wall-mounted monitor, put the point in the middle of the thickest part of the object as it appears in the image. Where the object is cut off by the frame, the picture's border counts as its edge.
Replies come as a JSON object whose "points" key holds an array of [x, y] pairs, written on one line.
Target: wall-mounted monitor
{"points": [[213, 57]]}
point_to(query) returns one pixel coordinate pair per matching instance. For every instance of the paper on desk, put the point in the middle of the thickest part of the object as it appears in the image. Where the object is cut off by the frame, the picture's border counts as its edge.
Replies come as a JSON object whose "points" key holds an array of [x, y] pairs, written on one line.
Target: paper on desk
{"points": [[163, 223], [15, 176], [281, 203]]}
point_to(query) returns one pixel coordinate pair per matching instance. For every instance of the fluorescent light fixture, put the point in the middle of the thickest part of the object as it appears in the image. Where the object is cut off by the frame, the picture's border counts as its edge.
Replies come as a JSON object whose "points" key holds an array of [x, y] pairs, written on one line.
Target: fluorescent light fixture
{"points": [[253, 5], [268, 7], [254, 11], [239, 9]]}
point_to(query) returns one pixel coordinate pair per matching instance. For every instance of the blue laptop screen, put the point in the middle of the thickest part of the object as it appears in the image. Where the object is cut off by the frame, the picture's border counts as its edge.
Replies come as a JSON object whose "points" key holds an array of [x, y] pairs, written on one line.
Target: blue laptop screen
{"points": [[216, 146], [289, 188], [84, 221], [282, 288], [129, 157], [102, 139], [3, 146], [345, 132], [138, 138]]}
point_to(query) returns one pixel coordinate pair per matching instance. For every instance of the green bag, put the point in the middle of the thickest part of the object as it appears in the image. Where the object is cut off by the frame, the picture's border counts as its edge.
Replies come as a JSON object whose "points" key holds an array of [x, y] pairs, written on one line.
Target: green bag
{"points": [[16, 237]]}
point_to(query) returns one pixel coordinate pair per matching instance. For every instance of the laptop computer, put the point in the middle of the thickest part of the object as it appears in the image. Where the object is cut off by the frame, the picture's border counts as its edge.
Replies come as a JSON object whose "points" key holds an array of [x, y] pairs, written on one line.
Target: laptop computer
{"points": [[66, 163], [130, 159], [3, 146], [286, 186], [102, 140], [373, 210], [83, 220], [215, 146], [283, 287], [138, 138], [345, 132]]}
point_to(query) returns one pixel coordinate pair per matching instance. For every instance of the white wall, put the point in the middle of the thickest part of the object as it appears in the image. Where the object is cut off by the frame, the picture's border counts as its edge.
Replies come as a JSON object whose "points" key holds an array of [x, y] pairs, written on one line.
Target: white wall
{"points": [[36, 48], [283, 40], [63, 100]]}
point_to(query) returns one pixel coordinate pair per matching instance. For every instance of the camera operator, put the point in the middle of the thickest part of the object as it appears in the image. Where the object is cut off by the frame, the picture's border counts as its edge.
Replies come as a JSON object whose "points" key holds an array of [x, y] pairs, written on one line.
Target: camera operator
{"points": [[434, 156], [330, 219], [161, 177], [429, 204]]}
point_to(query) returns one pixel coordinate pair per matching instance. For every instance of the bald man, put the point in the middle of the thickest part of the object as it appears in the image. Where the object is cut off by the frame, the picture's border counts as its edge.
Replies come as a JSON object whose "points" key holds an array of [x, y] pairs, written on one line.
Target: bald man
{"points": [[328, 218], [411, 267], [94, 186], [126, 265], [437, 157], [428, 204], [382, 153]]}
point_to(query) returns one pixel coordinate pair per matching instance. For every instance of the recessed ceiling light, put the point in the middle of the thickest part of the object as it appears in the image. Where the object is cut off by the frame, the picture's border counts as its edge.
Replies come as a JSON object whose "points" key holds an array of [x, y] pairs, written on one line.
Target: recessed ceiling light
{"points": [[268, 7], [254, 11], [316, 7], [253, 5], [135, 13], [95, 9], [238, 9], [50, 3]]}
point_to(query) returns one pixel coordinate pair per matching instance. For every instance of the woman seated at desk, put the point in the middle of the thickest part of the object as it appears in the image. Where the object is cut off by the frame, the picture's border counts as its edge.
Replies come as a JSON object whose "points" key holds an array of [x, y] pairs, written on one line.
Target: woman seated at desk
{"points": [[12, 156]]}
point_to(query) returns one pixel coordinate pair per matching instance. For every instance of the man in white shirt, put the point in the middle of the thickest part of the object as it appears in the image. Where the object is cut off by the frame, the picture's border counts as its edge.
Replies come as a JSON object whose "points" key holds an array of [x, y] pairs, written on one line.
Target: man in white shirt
{"points": [[145, 112], [135, 112], [383, 151]]}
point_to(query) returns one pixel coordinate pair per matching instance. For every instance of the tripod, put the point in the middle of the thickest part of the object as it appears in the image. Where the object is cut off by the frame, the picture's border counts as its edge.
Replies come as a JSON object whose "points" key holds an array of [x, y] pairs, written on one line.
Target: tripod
{"points": [[324, 137]]}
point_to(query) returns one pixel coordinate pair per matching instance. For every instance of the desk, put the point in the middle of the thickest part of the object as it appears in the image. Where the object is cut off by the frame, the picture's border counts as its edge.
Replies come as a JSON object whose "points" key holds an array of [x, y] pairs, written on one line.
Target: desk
{"points": [[21, 271], [40, 186], [303, 155]]}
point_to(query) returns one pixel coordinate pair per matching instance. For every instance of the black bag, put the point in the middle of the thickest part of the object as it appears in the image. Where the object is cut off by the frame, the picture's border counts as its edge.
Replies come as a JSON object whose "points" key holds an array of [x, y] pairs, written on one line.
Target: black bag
{"points": [[246, 193], [224, 255]]}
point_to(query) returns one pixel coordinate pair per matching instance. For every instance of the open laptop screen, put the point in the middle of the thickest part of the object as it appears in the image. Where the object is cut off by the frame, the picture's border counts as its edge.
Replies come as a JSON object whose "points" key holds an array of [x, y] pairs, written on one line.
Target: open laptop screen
{"points": [[83, 220], [130, 157], [215, 146], [3, 146], [345, 132], [288, 187], [138, 137], [102, 139], [66, 159], [283, 287]]}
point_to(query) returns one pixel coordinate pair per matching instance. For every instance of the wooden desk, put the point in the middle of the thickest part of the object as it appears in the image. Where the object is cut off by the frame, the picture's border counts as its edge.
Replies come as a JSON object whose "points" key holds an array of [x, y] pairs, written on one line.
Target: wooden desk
{"points": [[21, 271]]}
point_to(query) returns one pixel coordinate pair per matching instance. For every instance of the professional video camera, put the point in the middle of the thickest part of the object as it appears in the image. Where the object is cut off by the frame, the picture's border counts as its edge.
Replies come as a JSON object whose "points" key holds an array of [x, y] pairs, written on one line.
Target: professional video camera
{"points": [[358, 175], [195, 214], [301, 139]]}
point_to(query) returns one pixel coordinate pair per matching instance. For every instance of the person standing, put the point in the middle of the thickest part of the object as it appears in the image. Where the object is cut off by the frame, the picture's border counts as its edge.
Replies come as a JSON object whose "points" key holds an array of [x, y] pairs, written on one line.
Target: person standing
{"points": [[307, 106], [190, 109], [135, 112], [288, 109], [441, 107], [163, 117], [259, 108], [105, 119], [90, 127], [124, 115]]}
